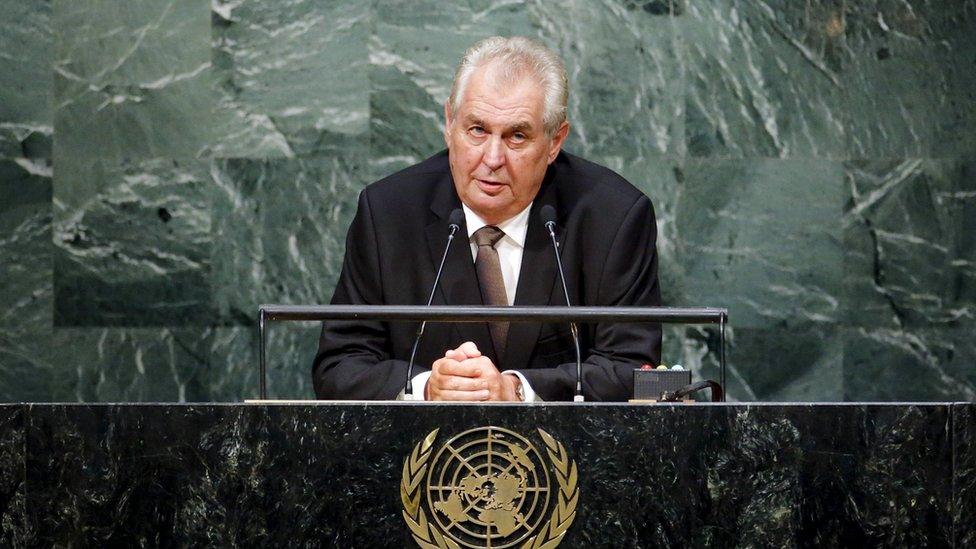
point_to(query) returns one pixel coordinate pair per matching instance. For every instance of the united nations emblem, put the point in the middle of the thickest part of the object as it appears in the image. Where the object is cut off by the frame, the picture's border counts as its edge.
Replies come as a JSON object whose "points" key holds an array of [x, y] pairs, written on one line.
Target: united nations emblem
{"points": [[489, 487]]}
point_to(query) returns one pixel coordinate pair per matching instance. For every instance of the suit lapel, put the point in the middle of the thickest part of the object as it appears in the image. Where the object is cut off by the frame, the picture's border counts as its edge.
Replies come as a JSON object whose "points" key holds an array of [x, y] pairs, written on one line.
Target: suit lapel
{"points": [[537, 275], [459, 281]]}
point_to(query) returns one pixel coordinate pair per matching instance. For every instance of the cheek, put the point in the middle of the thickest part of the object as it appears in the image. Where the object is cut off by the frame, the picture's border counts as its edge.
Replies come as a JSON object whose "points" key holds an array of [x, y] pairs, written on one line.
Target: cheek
{"points": [[528, 168], [469, 158]]}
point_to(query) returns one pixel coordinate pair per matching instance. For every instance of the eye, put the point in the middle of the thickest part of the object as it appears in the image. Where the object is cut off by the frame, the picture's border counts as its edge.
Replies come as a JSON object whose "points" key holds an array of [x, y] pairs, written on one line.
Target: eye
{"points": [[519, 137], [477, 131]]}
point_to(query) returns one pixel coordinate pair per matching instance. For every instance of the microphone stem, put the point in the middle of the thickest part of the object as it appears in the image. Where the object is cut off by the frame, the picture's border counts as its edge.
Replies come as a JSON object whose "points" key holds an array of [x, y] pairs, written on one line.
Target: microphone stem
{"points": [[578, 397], [408, 388]]}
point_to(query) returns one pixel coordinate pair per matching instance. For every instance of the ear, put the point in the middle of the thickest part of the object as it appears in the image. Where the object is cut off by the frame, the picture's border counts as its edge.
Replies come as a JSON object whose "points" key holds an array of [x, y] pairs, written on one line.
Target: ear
{"points": [[448, 122], [557, 141]]}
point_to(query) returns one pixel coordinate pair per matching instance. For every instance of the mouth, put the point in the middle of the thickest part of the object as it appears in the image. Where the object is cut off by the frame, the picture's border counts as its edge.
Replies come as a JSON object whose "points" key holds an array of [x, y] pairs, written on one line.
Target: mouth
{"points": [[490, 187]]}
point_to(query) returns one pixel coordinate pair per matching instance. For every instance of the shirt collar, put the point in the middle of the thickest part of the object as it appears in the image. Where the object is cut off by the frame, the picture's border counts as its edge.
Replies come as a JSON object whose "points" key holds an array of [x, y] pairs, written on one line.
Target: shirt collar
{"points": [[515, 228]]}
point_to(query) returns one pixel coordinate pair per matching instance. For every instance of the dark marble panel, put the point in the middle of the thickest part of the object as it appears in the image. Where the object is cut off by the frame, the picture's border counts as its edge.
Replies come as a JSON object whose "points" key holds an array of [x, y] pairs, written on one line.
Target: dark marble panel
{"points": [[932, 364], [625, 92], [141, 365], [760, 237], [763, 364], [648, 476], [26, 290], [903, 95], [763, 78], [124, 81], [219, 476], [289, 74], [13, 516], [787, 365], [129, 365], [910, 249], [956, 52], [876, 476], [26, 372], [133, 79], [964, 467], [661, 180], [25, 243], [133, 243], [233, 374], [25, 141], [406, 124], [280, 227], [27, 44]]}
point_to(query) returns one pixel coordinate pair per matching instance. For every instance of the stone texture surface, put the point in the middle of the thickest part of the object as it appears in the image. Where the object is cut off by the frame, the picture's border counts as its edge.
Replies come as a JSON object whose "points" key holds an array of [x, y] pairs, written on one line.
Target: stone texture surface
{"points": [[274, 230], [133, 243], [908, 75], [166, 166], [288, 75], [26, 51], [132, 79], [13, 524], [964, 479], [764, 78], [649, 476], [761, 236]]}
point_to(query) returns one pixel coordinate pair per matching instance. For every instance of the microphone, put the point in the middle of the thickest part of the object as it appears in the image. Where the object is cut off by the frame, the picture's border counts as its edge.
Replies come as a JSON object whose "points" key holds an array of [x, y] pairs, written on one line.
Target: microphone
{"points": [[455, 220], [548, 215]]}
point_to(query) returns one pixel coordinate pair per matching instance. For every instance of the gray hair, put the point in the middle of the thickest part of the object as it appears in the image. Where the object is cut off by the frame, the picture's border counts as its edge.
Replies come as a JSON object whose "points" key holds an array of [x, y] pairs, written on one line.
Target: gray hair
{"points": [[517, 57]]}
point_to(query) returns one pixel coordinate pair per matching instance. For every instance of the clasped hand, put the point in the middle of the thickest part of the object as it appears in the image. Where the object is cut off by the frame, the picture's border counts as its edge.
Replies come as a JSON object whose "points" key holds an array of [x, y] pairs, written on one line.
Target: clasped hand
{"points": [[465, 374]]}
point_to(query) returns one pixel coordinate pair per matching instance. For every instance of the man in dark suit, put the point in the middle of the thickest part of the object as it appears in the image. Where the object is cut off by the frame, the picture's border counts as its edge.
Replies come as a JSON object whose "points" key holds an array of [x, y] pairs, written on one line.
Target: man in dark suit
{"points": [[505, 126]]}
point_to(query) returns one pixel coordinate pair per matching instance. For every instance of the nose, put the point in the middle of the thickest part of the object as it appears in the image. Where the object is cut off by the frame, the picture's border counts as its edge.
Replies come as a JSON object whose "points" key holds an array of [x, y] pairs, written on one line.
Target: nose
{"points": [[494, 154]]}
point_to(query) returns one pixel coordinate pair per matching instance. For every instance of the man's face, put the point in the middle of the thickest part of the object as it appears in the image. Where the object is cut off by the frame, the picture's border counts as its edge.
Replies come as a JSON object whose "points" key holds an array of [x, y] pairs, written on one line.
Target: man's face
{"points": [[497, 145]]}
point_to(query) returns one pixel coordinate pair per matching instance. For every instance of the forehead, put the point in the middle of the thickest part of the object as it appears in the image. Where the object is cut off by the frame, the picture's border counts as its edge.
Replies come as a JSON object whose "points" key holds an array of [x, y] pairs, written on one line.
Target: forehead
{"points": [[493, 95]]}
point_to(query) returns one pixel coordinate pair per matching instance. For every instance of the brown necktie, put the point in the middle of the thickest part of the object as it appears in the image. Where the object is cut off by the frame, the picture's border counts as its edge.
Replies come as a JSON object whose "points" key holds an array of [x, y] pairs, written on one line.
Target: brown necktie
{"points": [[490, 278]]}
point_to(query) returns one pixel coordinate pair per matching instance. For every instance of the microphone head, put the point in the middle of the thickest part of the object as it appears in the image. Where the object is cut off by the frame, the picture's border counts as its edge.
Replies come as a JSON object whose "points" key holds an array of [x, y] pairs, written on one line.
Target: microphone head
{"points": [[457, 217], [548, 214]]}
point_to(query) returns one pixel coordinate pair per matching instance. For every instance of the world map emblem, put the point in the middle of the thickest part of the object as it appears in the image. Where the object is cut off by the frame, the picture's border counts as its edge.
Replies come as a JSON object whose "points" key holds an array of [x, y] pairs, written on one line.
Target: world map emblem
{"points": [[489, 487]]}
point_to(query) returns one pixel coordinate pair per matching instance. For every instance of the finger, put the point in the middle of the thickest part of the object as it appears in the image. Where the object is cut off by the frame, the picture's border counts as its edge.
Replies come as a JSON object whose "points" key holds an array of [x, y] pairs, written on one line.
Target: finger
{"points": [[469, 349], [463, 369], [484, 364], [440, 364], [457, 383], [468, 396]]}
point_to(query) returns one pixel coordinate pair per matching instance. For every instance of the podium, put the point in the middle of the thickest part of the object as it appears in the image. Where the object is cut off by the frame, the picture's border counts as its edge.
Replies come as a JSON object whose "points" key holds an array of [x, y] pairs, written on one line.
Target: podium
{"points": [[333, 474]]}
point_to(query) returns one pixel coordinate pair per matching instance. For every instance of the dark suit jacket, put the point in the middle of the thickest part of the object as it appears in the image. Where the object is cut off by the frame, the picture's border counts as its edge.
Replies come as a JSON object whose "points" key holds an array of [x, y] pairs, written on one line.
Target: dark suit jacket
{"points": [[607, 233]]}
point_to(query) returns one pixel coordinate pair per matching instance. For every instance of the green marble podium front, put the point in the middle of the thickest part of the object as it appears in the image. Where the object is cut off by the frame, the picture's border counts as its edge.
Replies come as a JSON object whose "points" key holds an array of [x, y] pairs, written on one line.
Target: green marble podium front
{"points": [[332, 474]]}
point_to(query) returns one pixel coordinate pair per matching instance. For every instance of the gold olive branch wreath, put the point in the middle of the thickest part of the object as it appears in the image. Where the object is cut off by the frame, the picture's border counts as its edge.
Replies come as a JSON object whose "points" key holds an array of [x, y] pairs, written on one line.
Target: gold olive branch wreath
{"points": [[428, 536]]}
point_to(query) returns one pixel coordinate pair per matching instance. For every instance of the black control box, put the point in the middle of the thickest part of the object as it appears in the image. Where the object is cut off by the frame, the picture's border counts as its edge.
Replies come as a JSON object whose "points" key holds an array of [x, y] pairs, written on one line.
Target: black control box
{"points": [[650, 384]]}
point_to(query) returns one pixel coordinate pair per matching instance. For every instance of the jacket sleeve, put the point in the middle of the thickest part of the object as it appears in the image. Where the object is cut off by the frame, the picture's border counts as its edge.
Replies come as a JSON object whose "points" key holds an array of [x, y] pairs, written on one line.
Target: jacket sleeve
{"points": [[628, 278], [353, 359]]}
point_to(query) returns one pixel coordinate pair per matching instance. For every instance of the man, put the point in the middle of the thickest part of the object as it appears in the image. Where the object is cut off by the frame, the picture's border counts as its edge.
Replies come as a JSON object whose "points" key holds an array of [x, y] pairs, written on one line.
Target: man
{"points": [[505, 126]]}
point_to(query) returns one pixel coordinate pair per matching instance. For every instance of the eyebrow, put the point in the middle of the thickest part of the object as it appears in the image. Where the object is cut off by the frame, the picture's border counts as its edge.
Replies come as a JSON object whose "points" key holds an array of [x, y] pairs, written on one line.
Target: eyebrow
{"points": [[521, 126]]}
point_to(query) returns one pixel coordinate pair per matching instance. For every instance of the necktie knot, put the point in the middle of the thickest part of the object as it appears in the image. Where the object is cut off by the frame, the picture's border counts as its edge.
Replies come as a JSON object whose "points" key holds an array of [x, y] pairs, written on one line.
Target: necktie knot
{"points": [[489, 235]]}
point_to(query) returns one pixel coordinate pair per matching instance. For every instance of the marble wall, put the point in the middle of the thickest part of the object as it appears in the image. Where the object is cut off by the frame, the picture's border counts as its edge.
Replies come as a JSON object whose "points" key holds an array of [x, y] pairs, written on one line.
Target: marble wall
{"points": [[166, 166]]}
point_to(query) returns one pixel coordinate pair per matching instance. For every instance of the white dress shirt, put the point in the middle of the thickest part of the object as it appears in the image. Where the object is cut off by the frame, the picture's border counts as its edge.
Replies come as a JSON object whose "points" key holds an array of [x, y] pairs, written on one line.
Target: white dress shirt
{"points": [[509, 249]]}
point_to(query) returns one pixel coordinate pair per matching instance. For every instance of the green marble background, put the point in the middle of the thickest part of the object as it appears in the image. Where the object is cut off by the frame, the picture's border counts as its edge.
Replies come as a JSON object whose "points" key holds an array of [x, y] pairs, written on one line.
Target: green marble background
{"points": [[166, 166]]}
